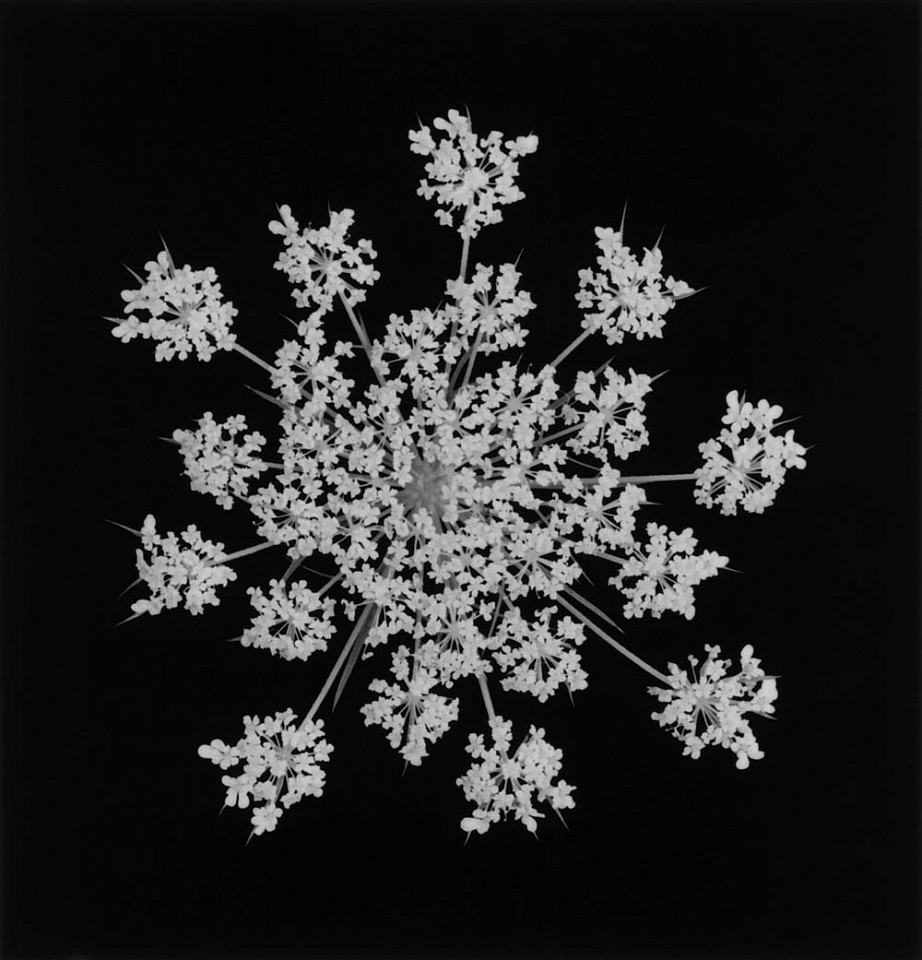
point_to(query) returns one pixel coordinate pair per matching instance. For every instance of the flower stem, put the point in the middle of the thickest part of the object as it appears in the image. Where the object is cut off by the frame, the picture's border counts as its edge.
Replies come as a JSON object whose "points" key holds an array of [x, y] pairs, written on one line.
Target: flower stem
{"points": [[614, 643], [252, 356], [465, 246], [568, 350], [473, 354], [465, 253], [325, 689], [244, 553], [487, 699], [653, 478], [558, 435], [590, 481]]}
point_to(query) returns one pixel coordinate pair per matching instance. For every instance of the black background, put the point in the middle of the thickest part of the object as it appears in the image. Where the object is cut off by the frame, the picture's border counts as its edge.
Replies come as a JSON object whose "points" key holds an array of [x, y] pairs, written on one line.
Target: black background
{"points": [[778, 145]]}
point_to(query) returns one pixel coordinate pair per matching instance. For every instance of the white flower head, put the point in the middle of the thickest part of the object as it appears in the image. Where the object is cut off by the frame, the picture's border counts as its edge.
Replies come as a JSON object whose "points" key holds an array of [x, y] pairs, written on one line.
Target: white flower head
{"points": [[174, 571], [303, 371], [754, 465], [500, 784], [215, 462], [321, 263], [490, 314], [281, 763], [665, 573], [612, 415], [292, 622], [469, 174], [538, 657], [447, 509], [185, 311], [627, 295], [709, 707], [411, 713]]}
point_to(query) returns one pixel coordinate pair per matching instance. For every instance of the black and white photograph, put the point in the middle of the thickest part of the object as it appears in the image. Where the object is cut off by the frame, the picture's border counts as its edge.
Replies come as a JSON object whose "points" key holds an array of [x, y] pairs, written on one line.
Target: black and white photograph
{"points": [[460, 491]]}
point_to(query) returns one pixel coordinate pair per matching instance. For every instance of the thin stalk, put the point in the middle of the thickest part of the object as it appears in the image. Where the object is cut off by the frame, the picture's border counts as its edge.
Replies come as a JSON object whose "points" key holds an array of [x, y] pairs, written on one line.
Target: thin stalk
{"points": [[586, 603], [654, 478], [252, 356], [473, 354], [465, 246], [487, 700], [566, 352], [556, 436], [362, 335], [325, 689], [602, 555], [614, 643], [586, 481], [244, 553], [589, 481], [356, 641], [465, 252]]}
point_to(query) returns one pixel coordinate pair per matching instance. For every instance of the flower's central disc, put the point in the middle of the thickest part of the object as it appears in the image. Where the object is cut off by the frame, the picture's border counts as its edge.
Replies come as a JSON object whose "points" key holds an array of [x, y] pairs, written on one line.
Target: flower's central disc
{"points": [[425, 488]]}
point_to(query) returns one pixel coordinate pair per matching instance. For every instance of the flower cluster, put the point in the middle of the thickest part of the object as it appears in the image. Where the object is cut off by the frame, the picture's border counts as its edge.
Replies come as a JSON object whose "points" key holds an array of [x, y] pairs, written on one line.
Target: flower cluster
{"points": [[281, 763], [217, 464], [500, 784], [174, 573], [665, 572], [717, 703], [536, 657], [451, 509], [756, 465], [185, 308], [409, 711], [468, 173], [489, 310], [611, 416], [292, 622], [627, 295], [322, 263]]}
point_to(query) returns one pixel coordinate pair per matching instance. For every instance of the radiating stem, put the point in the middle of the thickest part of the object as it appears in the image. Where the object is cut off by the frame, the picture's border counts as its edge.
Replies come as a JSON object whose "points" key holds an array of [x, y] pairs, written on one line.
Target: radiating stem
{"points": [[487, 699], [465, 246], [252, 356], [465, 252], [654, 478], [244, 553], [362, 335], [590, 481], [558, 435], [566, 353], [614, 643], [325, 689], [473, 354]]}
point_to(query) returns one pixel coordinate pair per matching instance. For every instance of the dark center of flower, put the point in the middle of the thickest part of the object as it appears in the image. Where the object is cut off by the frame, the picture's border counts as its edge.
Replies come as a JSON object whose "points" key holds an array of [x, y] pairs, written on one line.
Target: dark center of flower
{"points": [[425, 488]]}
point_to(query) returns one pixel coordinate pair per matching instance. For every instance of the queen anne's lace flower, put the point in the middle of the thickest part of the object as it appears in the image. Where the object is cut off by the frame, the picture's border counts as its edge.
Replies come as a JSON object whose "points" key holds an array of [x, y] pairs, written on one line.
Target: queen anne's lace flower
{"points": [[185, 308], [408, 710], [470, 174], [716, 702], [614, 418], [627, 295], [174, 573], [756, 466], [500, 784], [491, 317], [666, 571], [292, 621], [303, 373], [219, 465], [281, 763], [321, 263], [538, 657], [446, 498]]}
